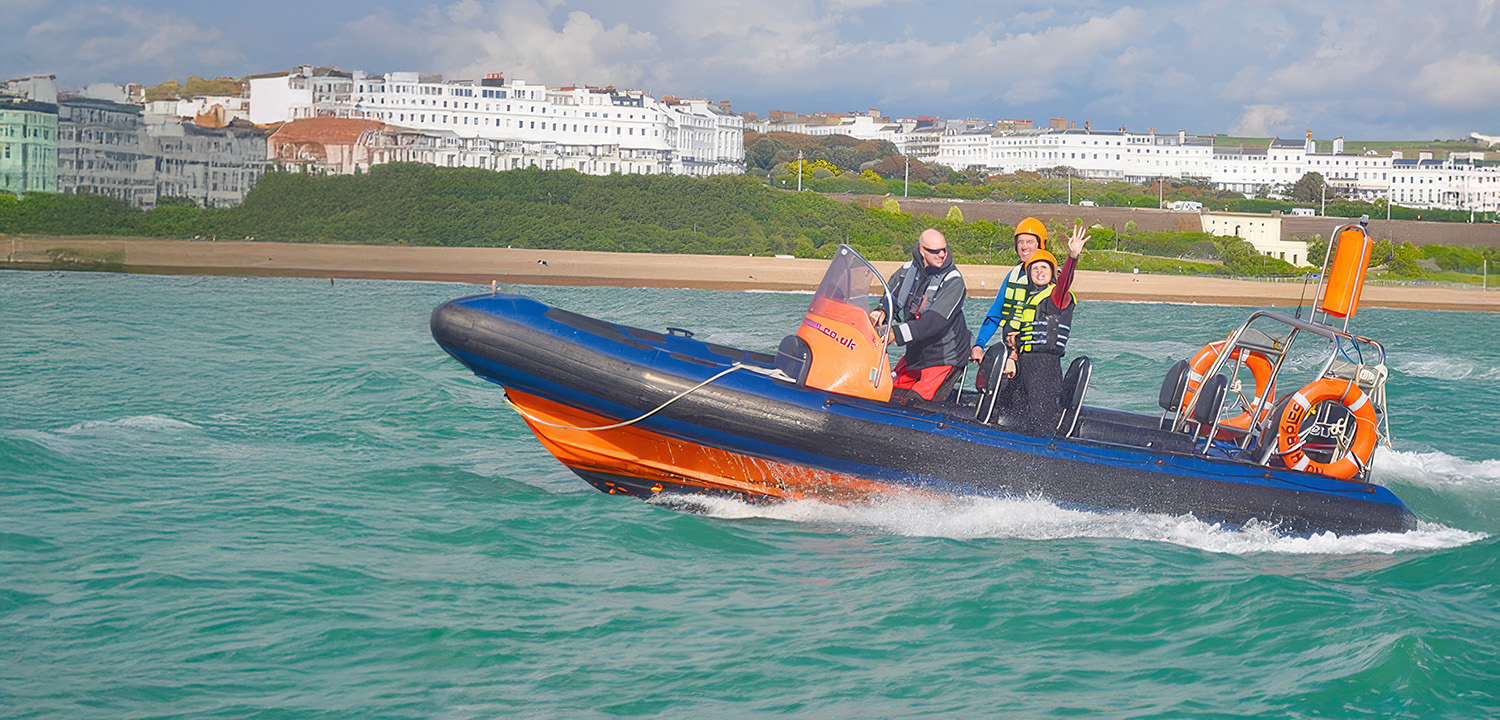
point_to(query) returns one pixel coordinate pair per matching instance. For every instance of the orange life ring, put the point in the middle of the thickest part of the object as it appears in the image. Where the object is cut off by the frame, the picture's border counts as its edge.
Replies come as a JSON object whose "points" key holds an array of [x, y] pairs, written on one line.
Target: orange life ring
{"points": [[1260, 366], [1289, 428]]}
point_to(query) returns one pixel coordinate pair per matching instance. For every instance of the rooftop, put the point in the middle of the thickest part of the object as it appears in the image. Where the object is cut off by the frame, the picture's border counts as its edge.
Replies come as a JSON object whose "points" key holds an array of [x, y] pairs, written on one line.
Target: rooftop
{"points": [[326, 131]]}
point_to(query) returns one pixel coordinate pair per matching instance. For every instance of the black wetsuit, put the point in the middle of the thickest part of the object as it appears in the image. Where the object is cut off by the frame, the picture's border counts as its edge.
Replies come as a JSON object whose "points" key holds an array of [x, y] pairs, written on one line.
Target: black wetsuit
{"points": [[1034, 395]]}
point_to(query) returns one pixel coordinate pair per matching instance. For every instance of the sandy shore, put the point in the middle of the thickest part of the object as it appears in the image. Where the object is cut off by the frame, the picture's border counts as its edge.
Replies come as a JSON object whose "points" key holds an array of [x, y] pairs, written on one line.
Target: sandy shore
{"points": [[482, 266]]}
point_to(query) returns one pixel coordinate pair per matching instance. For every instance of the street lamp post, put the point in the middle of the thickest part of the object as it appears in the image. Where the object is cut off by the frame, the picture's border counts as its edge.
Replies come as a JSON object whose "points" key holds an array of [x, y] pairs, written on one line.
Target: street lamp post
{"points": [[906, 177]]}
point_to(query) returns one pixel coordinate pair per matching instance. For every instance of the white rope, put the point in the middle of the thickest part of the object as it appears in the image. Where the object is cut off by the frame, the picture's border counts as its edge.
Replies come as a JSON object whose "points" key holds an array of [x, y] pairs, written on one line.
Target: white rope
{"points": [[623, 423]]}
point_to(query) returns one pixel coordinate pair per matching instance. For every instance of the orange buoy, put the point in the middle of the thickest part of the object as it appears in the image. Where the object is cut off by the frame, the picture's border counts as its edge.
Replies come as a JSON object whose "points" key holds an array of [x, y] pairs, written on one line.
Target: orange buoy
{"points": [[1260, 367], [1346, 278], [1289, 428]]}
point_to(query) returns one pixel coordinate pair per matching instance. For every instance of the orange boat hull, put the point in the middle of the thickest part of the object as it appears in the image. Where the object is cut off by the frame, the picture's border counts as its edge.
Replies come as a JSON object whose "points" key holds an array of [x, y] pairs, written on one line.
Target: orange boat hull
{"points": [[642, 463]]}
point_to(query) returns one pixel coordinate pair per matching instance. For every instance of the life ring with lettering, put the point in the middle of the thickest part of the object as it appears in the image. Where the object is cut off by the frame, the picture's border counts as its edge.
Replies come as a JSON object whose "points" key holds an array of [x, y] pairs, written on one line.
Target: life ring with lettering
{"points": [[1260, 367], [1291, 436]]}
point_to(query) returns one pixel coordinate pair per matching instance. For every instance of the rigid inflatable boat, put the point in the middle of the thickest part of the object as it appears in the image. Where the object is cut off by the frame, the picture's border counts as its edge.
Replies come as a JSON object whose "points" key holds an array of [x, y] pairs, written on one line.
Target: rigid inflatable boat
{"points": [[643, 413]]}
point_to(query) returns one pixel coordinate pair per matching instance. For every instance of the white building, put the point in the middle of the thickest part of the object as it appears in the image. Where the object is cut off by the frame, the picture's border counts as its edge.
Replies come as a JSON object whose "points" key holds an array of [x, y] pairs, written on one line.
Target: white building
{"points": [[870, 126], [1263, 232], [1247, 170], [924, 142], [212, 166], [103, 149], [222, 108], [964, 148], [585, 129], [706, 139], [504, 124], [1142, 157], [1428, 183], [1131, 157], [302, 93]]}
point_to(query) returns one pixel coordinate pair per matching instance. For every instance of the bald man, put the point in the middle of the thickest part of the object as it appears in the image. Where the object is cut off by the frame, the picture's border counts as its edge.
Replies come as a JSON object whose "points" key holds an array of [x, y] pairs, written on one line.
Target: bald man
{"points": [[929, 317]]}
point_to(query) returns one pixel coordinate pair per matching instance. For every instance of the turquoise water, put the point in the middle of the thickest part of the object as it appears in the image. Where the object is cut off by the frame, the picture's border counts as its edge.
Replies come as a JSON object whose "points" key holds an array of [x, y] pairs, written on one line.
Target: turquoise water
{"points": [[235, 497]]}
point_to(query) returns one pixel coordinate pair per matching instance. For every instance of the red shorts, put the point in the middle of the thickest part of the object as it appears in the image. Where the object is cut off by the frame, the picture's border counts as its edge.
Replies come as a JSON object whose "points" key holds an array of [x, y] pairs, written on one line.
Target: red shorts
{"points": [[924, 382]]}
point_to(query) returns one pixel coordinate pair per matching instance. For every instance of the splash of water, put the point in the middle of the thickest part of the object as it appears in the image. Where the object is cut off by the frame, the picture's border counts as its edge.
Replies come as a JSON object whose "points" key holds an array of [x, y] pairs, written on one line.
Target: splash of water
{"points": [[1038, 519], [1435, 470]]}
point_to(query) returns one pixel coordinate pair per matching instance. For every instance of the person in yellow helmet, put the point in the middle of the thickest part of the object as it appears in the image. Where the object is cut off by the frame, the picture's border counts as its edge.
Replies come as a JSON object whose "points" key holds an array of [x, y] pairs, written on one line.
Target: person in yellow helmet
{"points": [[1037, 335], [1030, 236]]}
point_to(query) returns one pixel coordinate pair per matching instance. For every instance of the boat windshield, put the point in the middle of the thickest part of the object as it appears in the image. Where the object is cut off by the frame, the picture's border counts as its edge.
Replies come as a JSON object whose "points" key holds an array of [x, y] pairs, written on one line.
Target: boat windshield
{"points": [[844, 294]]}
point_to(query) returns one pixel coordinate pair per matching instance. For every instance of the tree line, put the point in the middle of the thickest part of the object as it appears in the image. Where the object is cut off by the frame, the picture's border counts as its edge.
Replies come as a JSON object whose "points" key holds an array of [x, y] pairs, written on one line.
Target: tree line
{"points": [[725, 215]]}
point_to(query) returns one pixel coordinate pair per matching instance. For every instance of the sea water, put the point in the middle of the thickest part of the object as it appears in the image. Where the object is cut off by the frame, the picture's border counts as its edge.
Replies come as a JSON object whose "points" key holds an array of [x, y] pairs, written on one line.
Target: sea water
{"points": [[266, 497]]}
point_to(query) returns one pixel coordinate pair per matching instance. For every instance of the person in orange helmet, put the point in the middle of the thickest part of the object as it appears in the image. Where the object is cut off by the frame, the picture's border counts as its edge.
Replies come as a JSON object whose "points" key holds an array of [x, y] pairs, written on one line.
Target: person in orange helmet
{"points": [[1030, 236], [1037, 335]]}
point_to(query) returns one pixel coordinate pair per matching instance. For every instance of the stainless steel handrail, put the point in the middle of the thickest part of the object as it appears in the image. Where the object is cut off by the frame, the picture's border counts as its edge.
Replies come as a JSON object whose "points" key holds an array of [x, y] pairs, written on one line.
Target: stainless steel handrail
{"points": [[1297, 325]]}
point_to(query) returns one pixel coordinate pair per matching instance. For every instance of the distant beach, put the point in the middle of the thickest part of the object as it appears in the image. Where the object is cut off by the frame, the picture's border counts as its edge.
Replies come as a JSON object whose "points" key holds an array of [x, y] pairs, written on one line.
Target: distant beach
{"points": [[483, 266]]}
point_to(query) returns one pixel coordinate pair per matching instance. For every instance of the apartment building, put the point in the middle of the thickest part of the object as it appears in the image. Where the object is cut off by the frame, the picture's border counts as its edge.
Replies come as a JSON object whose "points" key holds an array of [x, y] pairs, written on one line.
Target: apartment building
{"points": [[1142, 157], [324, 145], [103, 149], [204, 111], [501, 124], [299, 94], [28, 135], [212, 166], [1103, 155], [707, 139], [867, 126], [1449, 184]]}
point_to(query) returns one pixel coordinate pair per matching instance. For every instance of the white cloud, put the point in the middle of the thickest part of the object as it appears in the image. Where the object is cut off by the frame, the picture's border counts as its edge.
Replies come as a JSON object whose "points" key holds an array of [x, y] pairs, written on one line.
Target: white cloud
{"points": [[1272, 66], [795, 52], [108, 40], [858, 4], [1034, 19], [1264, 121], [1468, 80], [518, 37], [769, 47]]}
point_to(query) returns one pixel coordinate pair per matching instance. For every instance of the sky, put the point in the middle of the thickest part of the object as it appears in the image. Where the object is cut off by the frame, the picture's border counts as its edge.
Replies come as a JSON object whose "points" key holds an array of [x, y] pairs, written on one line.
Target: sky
{"points": [[1361, 69]]}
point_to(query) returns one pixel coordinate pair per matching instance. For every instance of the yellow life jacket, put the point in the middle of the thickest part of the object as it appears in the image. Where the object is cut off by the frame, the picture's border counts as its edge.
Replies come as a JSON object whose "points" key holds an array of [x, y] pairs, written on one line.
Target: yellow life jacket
{"points": [[1016, 292], [1043, 326]]}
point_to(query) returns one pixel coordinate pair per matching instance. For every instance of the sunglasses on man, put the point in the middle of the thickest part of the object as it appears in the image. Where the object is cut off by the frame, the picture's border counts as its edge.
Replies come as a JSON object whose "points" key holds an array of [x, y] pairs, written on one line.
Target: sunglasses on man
{"points": [[933, 251]]}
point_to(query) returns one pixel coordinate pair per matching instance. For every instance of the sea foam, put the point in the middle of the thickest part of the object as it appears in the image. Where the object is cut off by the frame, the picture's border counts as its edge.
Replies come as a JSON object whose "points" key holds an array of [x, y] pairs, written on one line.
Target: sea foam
{"points": [[1437, 367], [129, 431], [1038, 519], [1434, 470], [146, 423]]}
